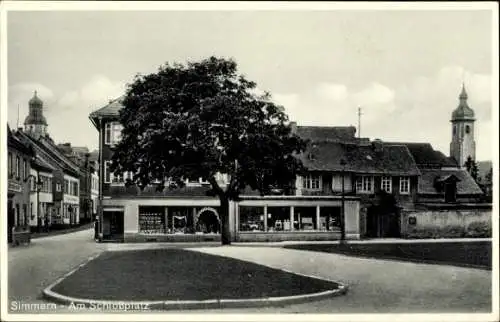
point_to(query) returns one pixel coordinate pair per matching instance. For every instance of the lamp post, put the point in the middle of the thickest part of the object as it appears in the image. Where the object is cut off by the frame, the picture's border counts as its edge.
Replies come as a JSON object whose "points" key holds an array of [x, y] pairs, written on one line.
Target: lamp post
{"points": [[342, 214]]}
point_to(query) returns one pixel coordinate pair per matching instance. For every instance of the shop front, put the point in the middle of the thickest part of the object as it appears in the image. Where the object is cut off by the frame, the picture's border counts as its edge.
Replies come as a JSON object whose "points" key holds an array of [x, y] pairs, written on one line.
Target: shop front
{"points": [[276, 218], [281, 218], [161, 219]]}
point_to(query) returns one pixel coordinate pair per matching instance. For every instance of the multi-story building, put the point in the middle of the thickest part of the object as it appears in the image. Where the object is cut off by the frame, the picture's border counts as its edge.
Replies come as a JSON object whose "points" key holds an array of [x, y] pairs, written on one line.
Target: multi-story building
{"points": [[18, 195], [374, 182], [41, 193], [64, 181], [88, 176]]}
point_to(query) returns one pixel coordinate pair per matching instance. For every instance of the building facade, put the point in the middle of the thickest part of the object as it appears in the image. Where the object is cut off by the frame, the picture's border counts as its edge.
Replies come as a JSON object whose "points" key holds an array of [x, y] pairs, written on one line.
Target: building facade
{"points": [[19, 157], [88, 177]]}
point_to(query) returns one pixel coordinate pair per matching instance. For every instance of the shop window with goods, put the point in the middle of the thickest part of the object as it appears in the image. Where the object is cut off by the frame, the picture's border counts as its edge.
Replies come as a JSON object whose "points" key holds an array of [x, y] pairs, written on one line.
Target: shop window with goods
{"points": [[152, 220], [305, 218], [251, 218], [278, 219]]}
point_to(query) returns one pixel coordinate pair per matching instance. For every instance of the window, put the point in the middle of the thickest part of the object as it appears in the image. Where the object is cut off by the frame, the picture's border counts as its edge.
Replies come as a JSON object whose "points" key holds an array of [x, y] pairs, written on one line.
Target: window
{"points": [[25, 169], [66, 187], [128, 175], [312, 182], [107, 172], [25, 213], [58, 187], [404, 185], [112, 133], [467, 129], [32, 184], [18, 166], [386, 184], [364, 184], [75, 188], [110, 177], [251, 218], [10, 164], [454, 129]]}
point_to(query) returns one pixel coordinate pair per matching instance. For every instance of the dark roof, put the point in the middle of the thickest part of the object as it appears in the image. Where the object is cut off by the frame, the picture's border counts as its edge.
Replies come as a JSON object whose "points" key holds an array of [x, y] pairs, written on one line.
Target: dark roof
{"points": [[50, 153], [16, 144], [327, 133], [466, 185], [41, 163], [326, 156], [425, 155], [110, 109]]}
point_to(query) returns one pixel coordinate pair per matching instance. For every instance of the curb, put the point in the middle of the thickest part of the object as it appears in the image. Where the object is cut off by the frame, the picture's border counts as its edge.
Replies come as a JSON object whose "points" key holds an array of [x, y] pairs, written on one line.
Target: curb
{"points": [[78, 303]]}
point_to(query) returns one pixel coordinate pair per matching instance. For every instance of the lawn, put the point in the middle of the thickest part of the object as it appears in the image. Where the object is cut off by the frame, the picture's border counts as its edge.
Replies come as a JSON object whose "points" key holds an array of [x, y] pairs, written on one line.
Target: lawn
{"points": [[176, 274], [470, 254]]}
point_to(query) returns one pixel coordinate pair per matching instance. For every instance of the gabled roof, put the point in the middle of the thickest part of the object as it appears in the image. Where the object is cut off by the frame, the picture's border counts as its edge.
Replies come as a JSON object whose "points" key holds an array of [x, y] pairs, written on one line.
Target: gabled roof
{"points": [[50, 154], [326, 156], [425, 156], [41, 163], [466, 185], [111, 110], [327, 133], [53, 150], [14, 143]]}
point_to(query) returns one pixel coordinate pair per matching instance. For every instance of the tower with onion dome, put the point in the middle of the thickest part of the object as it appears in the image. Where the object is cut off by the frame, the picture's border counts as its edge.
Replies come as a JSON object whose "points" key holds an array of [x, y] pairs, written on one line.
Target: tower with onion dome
{"points": [[462, 121], [35, 123]]}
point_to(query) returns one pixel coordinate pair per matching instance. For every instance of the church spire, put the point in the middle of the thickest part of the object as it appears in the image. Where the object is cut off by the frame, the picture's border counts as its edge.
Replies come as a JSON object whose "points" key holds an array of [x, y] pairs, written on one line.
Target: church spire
{"points": [[463, 95]]}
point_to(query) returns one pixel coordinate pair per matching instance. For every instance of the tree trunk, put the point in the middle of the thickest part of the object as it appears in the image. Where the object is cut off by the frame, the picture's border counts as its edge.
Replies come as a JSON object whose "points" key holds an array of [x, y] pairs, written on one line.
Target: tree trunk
{"points": [[224, 221]]}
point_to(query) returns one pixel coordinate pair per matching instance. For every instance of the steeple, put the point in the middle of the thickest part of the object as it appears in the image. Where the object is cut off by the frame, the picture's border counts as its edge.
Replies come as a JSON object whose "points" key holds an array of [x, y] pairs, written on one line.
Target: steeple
{"points": [[463, 95], [35, 123], [462, 144], [463, 111]]}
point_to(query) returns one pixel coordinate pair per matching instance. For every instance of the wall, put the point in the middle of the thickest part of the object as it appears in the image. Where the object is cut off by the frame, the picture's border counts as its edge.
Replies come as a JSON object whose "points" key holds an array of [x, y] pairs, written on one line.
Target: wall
{"points": [[447, 223]]}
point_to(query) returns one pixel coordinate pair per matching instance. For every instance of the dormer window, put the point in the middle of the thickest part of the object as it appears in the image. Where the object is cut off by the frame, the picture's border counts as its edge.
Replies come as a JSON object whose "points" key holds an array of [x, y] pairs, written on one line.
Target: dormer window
{"points": [[312, 182], [310, 156]]}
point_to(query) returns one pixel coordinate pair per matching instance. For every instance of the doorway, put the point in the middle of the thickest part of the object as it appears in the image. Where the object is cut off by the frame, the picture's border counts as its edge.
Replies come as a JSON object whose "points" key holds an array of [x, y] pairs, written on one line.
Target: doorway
{"points": [[382, 224], [113, 222], [208, 222]]}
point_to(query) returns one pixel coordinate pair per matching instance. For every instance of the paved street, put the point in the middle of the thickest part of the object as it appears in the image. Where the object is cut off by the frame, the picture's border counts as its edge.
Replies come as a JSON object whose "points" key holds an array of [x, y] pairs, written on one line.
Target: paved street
{"points": [[34, 267], [375, 285]]}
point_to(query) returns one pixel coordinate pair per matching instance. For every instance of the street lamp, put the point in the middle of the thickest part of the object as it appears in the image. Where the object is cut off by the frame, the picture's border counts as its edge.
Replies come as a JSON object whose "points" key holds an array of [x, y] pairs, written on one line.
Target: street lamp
{"points": [[342, 214]]}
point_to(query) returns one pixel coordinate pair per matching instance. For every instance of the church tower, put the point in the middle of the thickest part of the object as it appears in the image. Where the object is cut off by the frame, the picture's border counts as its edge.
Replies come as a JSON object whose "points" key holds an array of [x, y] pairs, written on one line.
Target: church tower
{"points": [[462, 123], [35, 123]]}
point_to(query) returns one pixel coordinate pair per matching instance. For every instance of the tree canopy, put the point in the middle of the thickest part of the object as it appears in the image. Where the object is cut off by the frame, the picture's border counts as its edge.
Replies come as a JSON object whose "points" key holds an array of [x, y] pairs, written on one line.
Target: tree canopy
{"points": [[471, 167], [200, 119]]}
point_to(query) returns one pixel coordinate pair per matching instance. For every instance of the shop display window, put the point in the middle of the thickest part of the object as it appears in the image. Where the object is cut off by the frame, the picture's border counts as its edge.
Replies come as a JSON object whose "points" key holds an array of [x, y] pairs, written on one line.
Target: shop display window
{"points": [[251, 218], [152, 220]]}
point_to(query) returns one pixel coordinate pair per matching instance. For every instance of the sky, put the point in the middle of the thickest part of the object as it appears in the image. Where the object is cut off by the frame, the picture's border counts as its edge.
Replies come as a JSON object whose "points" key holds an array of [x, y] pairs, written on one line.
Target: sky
{"points": [[403, 68]]}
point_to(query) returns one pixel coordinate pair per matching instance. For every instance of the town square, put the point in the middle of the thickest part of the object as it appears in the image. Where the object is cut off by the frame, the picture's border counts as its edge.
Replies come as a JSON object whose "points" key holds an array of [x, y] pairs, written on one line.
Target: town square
{"points": [[250, 160]]}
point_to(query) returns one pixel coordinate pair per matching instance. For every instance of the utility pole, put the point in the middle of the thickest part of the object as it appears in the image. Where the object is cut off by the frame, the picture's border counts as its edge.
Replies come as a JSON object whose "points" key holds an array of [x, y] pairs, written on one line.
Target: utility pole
{"points": [[359, 122]]}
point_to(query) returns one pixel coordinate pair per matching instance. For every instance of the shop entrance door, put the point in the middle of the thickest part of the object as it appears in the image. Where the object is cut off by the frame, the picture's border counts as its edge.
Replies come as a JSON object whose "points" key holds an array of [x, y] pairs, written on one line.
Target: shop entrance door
{"points": [[113, 225]]}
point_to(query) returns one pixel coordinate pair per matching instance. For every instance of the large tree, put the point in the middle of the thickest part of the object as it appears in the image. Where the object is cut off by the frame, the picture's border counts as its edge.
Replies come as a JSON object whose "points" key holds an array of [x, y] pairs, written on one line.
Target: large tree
{"points": [[200, 119], [471, 167]]}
